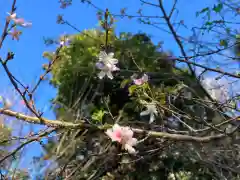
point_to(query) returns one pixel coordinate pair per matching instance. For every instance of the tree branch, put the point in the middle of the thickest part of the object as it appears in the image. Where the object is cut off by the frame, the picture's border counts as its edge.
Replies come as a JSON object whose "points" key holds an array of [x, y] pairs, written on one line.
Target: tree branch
{"points": [[57, 123], [26, 143]]}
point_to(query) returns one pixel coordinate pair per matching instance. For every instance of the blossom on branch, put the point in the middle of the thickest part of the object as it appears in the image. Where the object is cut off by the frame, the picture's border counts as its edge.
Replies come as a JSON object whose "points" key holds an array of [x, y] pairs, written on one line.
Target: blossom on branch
{"points": [[15, 34], [151, 110], [107, 65], [124, 136], [218, 90], [141, 80], [19, 21], [107, 58]]}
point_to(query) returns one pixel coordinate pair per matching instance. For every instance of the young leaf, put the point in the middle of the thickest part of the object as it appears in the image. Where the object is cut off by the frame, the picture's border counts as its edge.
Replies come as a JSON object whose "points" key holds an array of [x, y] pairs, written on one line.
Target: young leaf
{"points": [[124, 83], [218, 8], [202, 11], [131, 89], [98, 116], [223, 43], [238, 36]]}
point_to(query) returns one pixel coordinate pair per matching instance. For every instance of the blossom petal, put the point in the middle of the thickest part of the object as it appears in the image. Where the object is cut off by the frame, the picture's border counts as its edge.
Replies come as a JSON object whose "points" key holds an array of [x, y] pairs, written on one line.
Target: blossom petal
{"points": [[19, 21], [127, 132], [144, 113], [116, 127], [132, 141], [152, 118], [145, 78], [109, 75], [155, 112], [101, 74], [102, 55], [26, 24], [99, 65], [130, 149], [110, 55], [12, 16], [113, 61], [109, 132], [114, 68], [114, 135], [138, 81]]}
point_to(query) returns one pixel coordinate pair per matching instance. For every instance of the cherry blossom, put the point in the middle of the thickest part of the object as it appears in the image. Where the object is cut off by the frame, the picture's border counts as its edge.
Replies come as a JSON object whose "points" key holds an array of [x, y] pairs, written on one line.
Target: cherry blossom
{"points": [[15, 34], [106, 70], [107, 65], [124, 136], [107, 58], [65, 40], [151, 110], [19, 21], [141, 80], [218, 90]]}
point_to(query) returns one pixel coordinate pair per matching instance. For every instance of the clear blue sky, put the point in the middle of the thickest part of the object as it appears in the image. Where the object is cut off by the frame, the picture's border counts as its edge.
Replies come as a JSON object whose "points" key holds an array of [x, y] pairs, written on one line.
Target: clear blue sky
{"points": [[28, 60]]}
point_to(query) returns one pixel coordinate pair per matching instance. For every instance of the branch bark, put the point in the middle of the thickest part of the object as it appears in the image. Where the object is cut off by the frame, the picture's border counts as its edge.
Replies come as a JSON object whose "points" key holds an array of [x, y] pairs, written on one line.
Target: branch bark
{"points": [[83, 124], [26, 143]]}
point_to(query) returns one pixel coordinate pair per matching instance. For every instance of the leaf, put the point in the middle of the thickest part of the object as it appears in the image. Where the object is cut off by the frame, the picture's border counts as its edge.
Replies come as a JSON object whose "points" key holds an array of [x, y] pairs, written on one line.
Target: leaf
{"points": [[98, 116], [202, 11], [237, 36], [124, 83], [223, 43], [218, 8], [131, 89], [228, 30], [208, 23]]}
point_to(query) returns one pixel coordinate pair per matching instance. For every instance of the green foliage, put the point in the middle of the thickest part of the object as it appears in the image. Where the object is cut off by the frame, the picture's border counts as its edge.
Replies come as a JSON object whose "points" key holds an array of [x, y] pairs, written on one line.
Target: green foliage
{"points": [[75, 76], [75, 72], [237, 46], [98, 116]]}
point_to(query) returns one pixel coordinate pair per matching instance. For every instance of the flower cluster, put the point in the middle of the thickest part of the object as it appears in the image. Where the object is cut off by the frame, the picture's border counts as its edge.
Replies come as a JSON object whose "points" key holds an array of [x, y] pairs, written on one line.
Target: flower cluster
{"points": [[107, 64], [124, 136], [19, 21]]}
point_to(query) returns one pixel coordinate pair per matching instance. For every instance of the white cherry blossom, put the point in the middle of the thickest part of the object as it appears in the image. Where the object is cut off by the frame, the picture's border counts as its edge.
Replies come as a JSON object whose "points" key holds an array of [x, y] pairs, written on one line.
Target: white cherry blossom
{"points": [[151, 110], [107, 65], [107, 58], [218, 90]]}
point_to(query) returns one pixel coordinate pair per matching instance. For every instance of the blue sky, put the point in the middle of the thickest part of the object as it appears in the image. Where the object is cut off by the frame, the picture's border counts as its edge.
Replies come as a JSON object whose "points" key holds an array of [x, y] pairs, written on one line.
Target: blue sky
{"points": [[28, 60]]}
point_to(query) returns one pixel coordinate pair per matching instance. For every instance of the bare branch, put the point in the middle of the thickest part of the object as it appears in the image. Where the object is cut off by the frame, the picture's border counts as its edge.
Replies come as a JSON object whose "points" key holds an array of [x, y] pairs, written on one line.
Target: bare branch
{"points": [[26, 143]]}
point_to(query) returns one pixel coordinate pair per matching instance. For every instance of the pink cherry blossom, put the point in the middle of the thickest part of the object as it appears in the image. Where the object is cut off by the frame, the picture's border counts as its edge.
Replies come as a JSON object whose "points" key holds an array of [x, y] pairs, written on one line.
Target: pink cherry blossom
{"points": [[15, 34], [141, 80], [123, 135], [19, 21]]}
